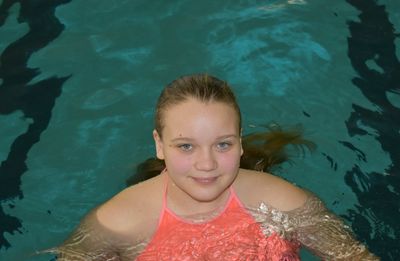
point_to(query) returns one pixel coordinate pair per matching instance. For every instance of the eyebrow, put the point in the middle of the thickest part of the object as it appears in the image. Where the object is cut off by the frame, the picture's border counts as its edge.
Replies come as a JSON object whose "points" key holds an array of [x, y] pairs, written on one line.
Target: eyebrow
{"points": [[190, 139]]}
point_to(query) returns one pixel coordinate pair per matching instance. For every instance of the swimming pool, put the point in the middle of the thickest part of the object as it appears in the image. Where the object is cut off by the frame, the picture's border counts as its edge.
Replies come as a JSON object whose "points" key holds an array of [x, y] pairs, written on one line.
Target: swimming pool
{"points": [[79, 81]]}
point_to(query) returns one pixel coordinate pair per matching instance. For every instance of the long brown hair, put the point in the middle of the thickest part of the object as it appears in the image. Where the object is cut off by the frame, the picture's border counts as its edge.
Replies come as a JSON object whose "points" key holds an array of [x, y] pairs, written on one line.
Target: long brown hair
{"points": [[262, 150]]}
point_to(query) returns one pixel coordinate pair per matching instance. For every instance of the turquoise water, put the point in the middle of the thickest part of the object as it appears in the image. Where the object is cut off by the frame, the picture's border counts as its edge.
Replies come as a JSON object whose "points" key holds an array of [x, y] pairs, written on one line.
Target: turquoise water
{"points": [[289, 62]]}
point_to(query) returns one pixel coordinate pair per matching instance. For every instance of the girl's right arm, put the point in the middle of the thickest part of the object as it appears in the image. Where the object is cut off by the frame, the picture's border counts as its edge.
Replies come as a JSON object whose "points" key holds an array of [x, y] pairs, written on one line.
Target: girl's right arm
{"points": [[90, 241]]}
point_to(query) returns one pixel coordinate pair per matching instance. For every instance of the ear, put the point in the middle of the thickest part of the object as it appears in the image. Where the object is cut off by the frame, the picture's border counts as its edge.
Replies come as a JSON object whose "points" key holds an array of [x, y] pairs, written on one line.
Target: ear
{"points": [[241, 146], [159, 145]]}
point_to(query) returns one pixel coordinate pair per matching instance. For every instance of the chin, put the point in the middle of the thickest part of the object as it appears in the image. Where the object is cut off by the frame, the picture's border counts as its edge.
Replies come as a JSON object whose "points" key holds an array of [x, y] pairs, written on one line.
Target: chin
{"points": [[207, 195]]}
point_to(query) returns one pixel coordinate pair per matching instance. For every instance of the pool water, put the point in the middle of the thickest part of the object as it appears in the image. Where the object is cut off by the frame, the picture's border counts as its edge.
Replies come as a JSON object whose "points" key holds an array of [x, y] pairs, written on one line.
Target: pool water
{"points": [[79, 81]]}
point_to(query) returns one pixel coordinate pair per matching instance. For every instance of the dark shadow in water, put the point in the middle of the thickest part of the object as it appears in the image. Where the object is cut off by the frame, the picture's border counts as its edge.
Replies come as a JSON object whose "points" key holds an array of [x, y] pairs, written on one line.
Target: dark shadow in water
{"points": [[36, 101], [372, 52]]}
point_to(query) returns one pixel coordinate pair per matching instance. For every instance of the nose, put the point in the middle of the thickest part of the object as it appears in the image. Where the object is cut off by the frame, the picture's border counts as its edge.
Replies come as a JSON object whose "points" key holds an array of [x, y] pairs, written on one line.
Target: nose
{"points": [[205, 161]]}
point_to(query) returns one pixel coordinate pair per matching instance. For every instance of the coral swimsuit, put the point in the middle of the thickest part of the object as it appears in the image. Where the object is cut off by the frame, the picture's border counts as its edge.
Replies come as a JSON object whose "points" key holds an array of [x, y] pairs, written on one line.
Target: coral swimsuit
{"points": [[232, 235]]}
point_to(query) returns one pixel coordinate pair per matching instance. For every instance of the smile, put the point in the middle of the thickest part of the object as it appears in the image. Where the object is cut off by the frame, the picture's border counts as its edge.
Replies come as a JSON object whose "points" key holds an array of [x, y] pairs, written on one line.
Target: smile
{"points": [[205, 181]]}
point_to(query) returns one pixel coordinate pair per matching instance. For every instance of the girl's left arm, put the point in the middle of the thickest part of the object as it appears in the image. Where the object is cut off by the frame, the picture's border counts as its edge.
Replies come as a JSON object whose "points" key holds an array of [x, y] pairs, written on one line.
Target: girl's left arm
{"points": [[325, 234]]}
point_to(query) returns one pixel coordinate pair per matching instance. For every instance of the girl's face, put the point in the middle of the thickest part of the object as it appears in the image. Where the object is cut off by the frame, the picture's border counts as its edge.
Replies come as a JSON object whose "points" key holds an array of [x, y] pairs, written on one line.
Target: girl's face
{"points": [[201, 146]]}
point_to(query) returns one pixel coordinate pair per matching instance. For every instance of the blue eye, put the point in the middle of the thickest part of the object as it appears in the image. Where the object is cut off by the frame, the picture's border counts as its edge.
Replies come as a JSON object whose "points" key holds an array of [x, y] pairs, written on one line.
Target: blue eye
{"points": [[186, 147], [223, 145]]}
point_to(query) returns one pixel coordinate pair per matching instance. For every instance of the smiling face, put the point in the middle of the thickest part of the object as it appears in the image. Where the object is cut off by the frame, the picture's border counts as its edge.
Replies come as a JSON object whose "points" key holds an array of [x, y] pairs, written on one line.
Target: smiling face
{"points": [[201, 147]]}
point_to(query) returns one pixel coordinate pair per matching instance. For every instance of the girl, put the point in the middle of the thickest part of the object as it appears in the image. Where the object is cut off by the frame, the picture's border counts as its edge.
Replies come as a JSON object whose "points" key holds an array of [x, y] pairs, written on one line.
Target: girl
{"points": [[203, 205]]}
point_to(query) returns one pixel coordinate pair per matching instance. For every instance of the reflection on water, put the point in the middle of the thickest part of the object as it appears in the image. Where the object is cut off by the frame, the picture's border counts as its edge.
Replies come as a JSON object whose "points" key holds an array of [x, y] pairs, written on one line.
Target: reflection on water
{"points": [[376, 218], [16, 93]]}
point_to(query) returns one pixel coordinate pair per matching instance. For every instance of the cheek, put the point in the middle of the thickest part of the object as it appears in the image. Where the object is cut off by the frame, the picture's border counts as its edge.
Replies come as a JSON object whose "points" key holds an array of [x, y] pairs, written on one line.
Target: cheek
{"points": [[230, 161], [178, 163]]}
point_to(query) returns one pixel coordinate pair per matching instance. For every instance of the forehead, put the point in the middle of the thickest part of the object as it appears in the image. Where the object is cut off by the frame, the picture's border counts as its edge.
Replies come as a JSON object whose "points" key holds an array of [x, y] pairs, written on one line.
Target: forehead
{"points": [[200, 117]]}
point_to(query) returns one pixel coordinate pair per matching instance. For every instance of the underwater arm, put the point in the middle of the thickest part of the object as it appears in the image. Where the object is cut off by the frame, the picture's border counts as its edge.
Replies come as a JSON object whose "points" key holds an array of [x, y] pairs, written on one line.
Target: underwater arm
{"points": [[88, 242], [326, 235]]}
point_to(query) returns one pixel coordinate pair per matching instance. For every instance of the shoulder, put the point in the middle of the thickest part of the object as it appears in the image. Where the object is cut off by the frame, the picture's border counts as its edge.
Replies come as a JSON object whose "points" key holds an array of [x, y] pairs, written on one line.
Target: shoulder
{"points": [[133, 210], [254, 187]]}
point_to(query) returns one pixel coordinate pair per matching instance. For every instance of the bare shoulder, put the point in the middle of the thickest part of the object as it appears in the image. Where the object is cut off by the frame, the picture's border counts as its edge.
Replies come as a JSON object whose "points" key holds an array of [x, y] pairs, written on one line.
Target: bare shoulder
{"points": [[254, 187], [133, 210]]}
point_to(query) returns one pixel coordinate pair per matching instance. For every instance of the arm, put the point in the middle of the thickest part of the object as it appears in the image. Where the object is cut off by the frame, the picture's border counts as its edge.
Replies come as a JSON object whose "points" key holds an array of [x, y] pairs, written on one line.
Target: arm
{"points": [[325, 234], [89, 242]]}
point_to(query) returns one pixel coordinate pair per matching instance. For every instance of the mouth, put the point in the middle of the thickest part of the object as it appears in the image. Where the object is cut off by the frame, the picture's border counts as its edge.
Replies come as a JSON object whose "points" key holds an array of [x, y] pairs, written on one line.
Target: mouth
{"points": [[205, 181]]}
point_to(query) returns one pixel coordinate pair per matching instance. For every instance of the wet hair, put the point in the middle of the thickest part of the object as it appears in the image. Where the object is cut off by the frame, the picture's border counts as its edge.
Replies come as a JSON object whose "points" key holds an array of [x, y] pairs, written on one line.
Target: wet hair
{"points": [[267, 149], [201, 87], [262, 150]]}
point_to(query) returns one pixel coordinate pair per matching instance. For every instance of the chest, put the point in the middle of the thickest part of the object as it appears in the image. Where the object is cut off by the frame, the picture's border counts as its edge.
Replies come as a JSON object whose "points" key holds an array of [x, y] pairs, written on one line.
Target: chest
{"points": [[234, 235]]}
